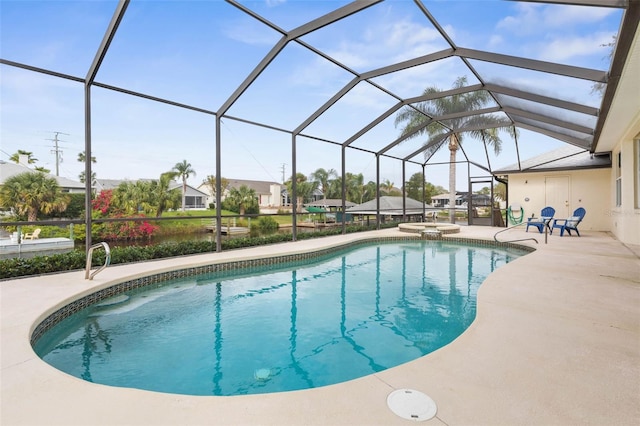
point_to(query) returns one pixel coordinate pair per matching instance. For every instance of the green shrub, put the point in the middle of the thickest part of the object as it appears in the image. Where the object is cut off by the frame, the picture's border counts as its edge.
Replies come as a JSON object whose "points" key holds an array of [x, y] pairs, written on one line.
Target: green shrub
{"points": [[75, 260], [267, 224]]}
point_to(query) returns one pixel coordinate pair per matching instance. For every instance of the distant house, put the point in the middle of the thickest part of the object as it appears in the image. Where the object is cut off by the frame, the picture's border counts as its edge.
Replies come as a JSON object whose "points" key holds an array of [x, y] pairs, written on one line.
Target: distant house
{"points": [[8, 169], [268, 193], [442, 200], [194, 198], [462, 199]]}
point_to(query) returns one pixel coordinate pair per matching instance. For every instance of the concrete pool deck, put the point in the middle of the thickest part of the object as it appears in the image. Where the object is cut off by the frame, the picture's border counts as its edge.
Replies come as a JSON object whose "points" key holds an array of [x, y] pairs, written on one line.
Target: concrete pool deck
{"points": [[556, 340]]}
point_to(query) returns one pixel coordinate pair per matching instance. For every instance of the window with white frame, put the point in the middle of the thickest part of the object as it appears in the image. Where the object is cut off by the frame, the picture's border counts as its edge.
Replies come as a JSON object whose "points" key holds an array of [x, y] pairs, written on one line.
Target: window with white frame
{"points": [[619, 179]]}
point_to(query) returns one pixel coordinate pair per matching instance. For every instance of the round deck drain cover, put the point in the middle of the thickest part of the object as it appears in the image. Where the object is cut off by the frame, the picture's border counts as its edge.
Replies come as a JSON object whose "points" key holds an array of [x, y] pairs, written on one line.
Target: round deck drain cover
{"points": [[411, 405]]}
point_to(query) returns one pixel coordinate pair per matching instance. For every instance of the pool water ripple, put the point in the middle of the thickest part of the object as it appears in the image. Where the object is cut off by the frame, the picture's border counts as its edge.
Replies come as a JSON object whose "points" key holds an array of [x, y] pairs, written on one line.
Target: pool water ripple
{"points": [[367, 309]]}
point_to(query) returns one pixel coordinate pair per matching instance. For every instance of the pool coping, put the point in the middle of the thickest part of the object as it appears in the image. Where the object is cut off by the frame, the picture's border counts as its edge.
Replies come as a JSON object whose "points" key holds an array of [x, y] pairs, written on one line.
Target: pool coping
{"points": [[125, 284], [564, 321]]}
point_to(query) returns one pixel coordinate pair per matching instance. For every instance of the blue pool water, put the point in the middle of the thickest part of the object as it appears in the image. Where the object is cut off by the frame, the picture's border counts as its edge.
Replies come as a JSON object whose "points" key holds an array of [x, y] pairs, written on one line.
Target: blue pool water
{"points": [[359, 312]]}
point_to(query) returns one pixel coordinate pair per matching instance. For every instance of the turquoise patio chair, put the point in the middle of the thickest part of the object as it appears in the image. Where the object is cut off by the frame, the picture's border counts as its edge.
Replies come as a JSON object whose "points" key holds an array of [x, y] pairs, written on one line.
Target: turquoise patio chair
{"points": [[570, 224], [546, 215]]}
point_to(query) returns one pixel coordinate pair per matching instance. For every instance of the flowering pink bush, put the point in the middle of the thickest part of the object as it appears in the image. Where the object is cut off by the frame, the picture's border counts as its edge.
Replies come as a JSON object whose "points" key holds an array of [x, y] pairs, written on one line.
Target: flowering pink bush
{"points": [[112, 231], [102, 202]]}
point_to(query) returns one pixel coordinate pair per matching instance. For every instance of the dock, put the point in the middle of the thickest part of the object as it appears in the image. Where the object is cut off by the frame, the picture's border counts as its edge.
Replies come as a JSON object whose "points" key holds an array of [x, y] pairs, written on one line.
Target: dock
{"points": [[229, 230], [31, 248]]}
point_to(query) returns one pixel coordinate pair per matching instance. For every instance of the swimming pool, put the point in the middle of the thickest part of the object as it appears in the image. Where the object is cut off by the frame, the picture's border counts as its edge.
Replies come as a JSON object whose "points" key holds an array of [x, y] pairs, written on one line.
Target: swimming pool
{"points": [[314, 323]]}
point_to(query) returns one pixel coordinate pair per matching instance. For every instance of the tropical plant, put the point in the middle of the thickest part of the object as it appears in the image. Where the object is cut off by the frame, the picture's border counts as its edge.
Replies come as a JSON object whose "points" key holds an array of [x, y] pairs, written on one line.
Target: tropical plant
{"points": [[304, 190], [387, 187], [418, 121], [323, 178], [413, 187], [32, 193], [184, 170], [243, 197], [82, 156], [500, 191], [131, 197], [107, 204], [355, 187], [368, 192], [161, 197], [15, 157]]}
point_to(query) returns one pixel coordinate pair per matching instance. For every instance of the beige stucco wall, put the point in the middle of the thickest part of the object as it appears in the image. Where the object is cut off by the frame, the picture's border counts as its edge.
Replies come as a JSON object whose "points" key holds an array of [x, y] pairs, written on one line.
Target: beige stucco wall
{"points": [[590, 189], [625, 219]]}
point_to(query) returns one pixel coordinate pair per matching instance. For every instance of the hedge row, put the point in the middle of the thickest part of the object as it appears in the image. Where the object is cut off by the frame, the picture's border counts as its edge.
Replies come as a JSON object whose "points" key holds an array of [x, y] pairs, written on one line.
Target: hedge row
{"points": [[75, 260]]}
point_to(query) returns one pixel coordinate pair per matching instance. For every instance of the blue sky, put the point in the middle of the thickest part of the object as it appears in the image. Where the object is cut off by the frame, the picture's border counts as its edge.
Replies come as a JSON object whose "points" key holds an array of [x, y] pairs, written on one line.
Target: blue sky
{"points": [[198, 52]]}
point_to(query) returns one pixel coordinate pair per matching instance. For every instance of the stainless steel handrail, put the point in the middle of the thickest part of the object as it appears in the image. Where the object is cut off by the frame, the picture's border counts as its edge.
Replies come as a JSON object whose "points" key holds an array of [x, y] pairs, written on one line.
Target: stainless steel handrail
{"points": [[495, 236], [88, 275]]}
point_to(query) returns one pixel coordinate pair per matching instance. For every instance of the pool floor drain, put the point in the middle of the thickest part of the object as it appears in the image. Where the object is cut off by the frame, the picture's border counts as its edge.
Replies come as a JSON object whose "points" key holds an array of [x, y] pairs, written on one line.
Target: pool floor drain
{"points": [[411, 405]]}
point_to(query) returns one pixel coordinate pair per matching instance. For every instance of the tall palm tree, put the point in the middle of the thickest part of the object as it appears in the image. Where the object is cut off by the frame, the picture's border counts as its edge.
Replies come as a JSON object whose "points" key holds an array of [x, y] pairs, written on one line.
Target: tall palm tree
{"points": [[323, 177], [31, 193], [82, 156], [417, 118], [184, 170]]}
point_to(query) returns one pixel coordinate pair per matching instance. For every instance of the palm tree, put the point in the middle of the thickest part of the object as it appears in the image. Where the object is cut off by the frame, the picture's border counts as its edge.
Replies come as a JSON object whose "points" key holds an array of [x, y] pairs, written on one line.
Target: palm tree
{"points": [[162, 198], [355, 187], [128, 197], [16, 157], [82, 156], [323, 177], [368, 192], [304, 190], [184, 170], [387, 186], [242, 197], [31, 193], [418, 122]]}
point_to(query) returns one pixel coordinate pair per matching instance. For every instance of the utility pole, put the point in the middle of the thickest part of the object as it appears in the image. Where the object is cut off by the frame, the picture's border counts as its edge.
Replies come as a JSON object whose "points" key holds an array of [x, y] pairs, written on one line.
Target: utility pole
{"points": [[57, 151], [283, 167]]}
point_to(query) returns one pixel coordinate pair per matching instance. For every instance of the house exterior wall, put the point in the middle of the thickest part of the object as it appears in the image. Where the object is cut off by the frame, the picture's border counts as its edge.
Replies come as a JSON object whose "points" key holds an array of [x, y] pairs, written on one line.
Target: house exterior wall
{"points": [[275, 200], [587, 188], [271, 199], [625, 218]]}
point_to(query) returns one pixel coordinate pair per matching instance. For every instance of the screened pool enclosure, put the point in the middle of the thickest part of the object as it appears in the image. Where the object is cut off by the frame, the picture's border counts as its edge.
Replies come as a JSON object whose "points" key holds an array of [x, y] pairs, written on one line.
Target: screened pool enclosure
{"points": [[252, 89]]}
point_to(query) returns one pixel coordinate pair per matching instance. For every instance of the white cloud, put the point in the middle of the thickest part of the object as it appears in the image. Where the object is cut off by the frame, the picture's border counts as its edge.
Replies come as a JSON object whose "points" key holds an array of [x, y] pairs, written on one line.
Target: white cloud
{"points": [[399, 40], [496, 41], [563, 49], [248, 32], [274, 3], [534, 18], [564, 15]]}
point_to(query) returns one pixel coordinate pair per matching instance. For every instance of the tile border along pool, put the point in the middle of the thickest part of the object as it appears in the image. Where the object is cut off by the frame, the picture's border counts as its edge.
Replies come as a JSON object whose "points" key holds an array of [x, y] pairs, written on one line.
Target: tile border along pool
{"points": [[556, 340], [237, 265]]}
